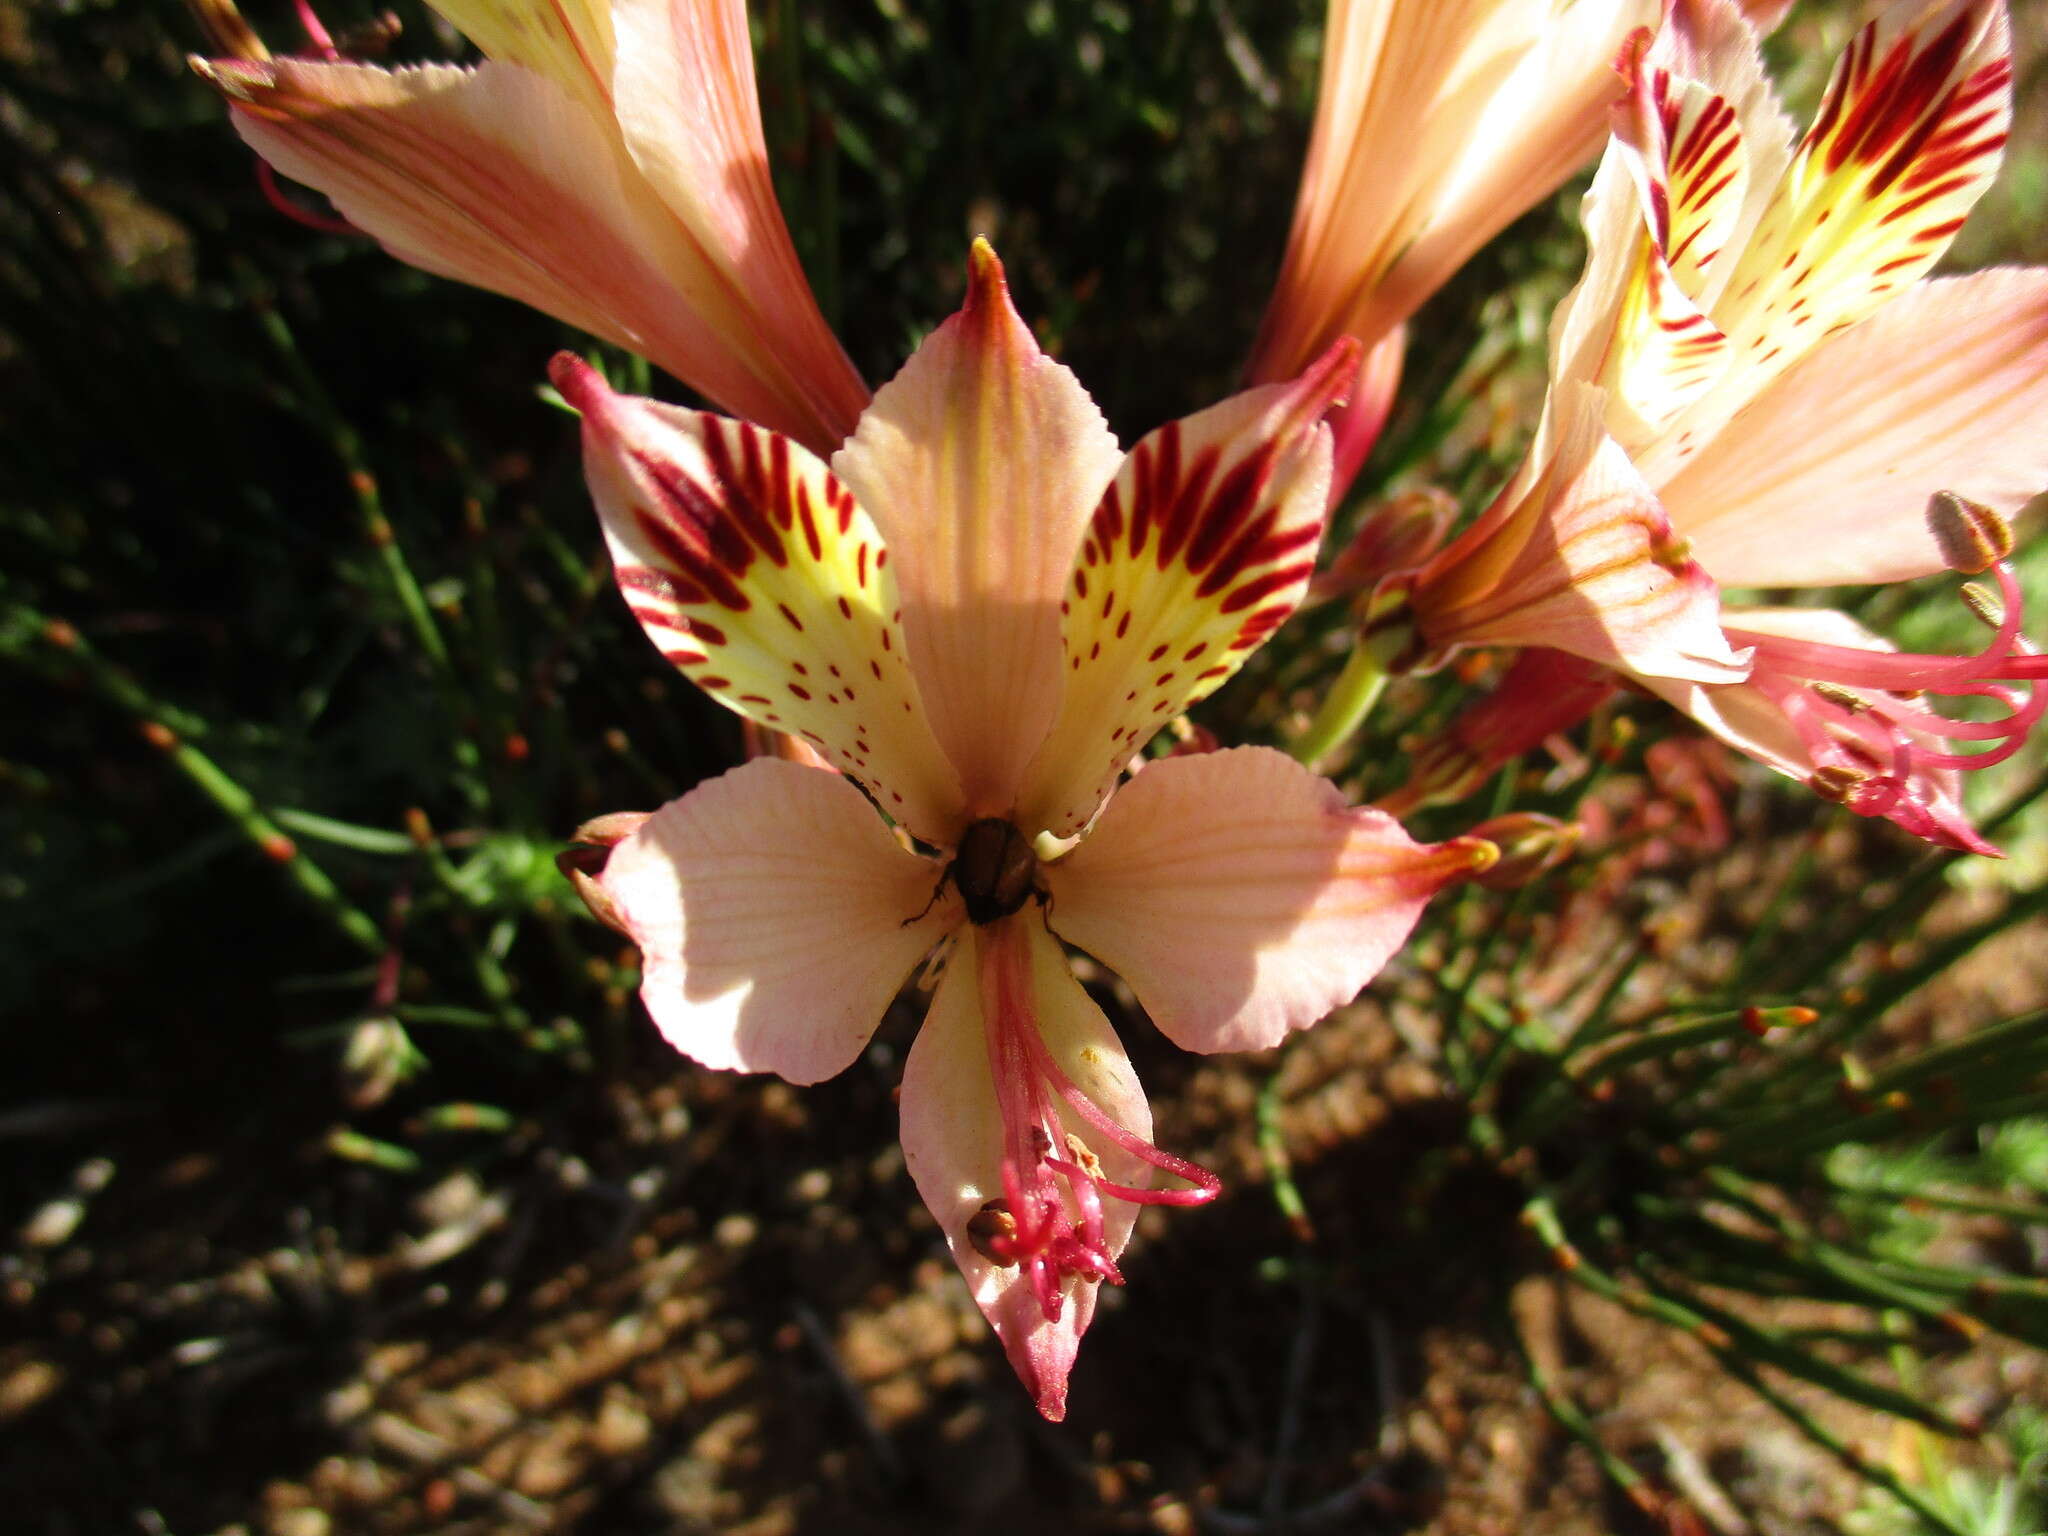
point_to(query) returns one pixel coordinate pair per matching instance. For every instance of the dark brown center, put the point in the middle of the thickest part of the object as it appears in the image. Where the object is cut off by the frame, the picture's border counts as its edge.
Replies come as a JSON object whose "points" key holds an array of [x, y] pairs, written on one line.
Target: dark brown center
{"points": [[994, 868]]}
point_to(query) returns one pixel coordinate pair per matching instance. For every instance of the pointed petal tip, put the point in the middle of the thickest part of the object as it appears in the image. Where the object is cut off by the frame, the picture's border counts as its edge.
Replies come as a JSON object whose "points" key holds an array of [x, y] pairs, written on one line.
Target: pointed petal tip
{"points": [[579, 383], [988, 287]]}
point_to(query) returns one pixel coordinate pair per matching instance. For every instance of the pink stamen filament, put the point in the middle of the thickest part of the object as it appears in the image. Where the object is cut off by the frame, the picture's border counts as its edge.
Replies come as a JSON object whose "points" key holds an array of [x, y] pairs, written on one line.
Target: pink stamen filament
{"points": [[316, 32], [1048, 1241], [1884, 729]]}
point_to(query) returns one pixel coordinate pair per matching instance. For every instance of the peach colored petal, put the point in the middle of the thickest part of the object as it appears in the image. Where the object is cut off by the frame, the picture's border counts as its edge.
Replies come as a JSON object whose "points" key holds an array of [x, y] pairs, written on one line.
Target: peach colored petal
{"points": [[1199, 550], [981, 462], [1576, 555], [1944, 389], [501, 177], [687, 105], [953, 1131], [1435, 126], [1241, 897], [568, 41], [776, 919], [754, 571]]}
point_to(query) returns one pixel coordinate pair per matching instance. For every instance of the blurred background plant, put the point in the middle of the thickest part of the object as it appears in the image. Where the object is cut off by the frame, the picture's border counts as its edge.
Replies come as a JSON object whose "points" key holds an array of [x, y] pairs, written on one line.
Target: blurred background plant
{"points": [[328, 1107]]}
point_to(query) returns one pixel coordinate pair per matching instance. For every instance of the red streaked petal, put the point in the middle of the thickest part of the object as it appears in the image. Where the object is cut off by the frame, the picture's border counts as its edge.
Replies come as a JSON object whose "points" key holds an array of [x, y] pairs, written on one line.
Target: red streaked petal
{"points": [[776, 919], [1910, 132], [756, 573], [1202, 546], [980, 462], [1241, 897], [953, 1136]]}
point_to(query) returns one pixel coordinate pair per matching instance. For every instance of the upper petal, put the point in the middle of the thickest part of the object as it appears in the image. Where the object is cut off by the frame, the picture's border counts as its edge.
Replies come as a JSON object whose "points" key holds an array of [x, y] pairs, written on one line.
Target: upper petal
{"points": [[569, 41], [1241, 897], [757, 574], [953, 1128], [980, 463], [1201, 547], [1824, 477], [776, 919], [507, 179]]}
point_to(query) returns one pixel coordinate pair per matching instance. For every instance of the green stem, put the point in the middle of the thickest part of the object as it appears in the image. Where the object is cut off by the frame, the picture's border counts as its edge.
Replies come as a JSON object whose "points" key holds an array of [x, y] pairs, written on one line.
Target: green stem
{"points": [[1344, 707]]}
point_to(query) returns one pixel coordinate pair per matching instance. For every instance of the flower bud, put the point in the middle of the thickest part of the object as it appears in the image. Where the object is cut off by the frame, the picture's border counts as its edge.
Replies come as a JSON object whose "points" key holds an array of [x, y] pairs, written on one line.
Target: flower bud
{"points": [[1396, 535], [584, 860], [1530, 845]]}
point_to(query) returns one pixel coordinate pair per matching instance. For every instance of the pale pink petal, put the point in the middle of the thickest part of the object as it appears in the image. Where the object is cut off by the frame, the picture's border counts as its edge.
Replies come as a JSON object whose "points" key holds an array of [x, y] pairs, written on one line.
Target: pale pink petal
{"points": [[1435, 126], [1824, 477], [1199, 550], [1241, 897], [504, 178], [980, 462], [756, 573], [1577, 556], [953, 1135], [776, 919]]}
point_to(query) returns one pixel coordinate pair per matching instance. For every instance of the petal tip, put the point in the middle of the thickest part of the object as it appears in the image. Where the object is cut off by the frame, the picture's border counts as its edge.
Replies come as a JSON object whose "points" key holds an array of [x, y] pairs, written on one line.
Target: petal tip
{"points": [[579, 383]]}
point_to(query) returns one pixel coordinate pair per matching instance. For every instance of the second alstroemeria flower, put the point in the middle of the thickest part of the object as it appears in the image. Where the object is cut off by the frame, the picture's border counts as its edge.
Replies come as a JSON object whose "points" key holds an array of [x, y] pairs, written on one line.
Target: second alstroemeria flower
{"points": [[604, 163], [979, 614]]}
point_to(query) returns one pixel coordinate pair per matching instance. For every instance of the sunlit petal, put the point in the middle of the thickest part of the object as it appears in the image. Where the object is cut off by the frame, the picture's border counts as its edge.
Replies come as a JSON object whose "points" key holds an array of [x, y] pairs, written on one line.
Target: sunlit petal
{"points": [[1944, 389], [776, 919], [980, 463], [1202, 546], [756, 573], [1242, 897]]}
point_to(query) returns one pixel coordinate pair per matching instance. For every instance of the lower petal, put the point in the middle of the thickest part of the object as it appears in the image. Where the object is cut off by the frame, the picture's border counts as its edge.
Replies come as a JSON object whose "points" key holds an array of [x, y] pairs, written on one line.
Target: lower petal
{"points": [[776, 918], [954, 1131], [1242, 898]]}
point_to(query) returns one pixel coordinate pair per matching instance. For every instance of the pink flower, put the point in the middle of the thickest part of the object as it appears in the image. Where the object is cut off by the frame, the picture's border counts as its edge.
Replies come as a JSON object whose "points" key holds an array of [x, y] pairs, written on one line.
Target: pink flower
{"points": [[1436, 125], [1756, 335], [980, 614], [605, 163]]}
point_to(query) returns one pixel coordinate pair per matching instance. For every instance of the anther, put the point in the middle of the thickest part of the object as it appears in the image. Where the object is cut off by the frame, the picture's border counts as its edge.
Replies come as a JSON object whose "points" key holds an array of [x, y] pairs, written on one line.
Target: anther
{"points": [[1835, 693], [1970, 535], [1983, 603], [991, 1231]]}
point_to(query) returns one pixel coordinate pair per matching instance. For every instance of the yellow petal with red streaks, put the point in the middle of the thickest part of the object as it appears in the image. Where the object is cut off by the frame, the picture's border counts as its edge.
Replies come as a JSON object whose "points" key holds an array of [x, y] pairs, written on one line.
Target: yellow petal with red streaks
{"points": [[1201, 547], [758, 575], [1910, 132]]}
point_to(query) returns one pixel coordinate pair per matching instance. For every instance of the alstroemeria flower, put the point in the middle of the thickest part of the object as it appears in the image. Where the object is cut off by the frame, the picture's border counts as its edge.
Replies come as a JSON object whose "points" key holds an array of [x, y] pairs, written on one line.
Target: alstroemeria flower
{"points": [[605, 163], [1790, 388], [1436, 125], [979, 614]]}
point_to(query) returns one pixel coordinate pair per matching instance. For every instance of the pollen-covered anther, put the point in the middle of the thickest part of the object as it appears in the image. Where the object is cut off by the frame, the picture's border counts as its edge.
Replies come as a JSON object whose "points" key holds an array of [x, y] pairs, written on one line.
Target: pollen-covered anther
{"points": [[1971, 537], [1983, 604], [992, 1231], [1837, 781], [1673, 554], [1836, 694]]}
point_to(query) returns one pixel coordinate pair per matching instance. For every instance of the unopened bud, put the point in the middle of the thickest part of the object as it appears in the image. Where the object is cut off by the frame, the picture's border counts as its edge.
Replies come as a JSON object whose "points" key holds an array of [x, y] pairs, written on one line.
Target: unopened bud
{"points": [[1970, 535], [1759, 1021], [1530, 844], [583, 861], [1397, 535], [378, 1057]]}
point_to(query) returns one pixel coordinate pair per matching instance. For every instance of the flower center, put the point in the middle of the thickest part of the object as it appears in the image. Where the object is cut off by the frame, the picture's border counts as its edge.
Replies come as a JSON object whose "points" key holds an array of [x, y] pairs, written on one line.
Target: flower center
{"points": [[995, 869], [1049, 1219]]}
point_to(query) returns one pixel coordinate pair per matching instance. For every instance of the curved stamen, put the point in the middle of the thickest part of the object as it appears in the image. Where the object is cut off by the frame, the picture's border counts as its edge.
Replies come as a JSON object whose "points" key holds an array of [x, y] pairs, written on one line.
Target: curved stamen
{"points": [[1051, 1222]]}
